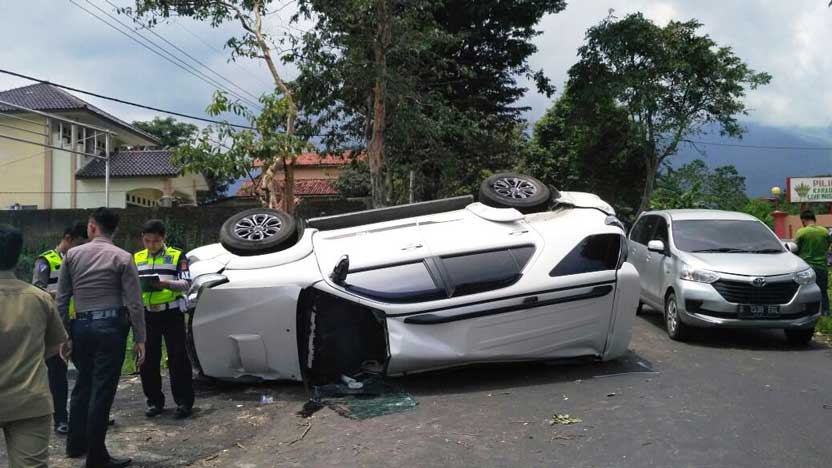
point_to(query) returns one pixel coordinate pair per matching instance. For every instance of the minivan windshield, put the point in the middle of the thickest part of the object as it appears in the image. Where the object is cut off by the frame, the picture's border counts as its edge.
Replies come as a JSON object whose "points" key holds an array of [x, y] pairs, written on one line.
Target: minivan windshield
{"points": [[729, 236]]}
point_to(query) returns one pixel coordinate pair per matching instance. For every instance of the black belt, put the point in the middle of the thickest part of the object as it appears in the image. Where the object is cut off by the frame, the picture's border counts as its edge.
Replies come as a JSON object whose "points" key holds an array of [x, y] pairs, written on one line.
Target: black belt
{"points": [[99, 314]]}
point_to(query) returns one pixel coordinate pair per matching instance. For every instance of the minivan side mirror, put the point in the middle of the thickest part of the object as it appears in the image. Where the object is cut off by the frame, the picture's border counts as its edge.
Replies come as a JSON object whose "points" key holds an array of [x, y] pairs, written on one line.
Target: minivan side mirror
{"points": [[791, 246], [656, 246]]}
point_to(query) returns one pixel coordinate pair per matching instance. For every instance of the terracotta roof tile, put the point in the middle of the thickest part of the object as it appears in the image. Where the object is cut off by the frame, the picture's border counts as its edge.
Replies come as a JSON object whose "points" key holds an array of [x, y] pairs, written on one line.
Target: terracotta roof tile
{"points": [[303, 187], [315, 159]]}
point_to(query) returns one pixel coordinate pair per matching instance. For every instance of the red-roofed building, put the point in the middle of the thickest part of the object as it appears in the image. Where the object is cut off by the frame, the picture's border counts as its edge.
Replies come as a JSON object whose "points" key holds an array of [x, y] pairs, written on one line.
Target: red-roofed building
{"points": [[315, 175]]}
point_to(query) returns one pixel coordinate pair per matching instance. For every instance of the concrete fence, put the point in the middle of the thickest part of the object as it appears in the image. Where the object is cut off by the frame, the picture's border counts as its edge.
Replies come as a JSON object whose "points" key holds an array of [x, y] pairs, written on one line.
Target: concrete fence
{"points": [[188, 227]]}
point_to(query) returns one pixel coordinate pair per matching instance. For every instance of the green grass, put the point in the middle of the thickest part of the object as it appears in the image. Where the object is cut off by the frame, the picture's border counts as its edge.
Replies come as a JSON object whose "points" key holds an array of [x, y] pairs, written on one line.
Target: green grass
{"points": [[824, 325], [129, 366]]}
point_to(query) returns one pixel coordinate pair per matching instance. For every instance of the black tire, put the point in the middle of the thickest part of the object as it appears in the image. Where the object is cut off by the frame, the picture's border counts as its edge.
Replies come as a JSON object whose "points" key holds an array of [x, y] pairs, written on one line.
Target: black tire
{"points": [[510, 190], [800, 337], [258, 231], [640, 308], [676, 329]]}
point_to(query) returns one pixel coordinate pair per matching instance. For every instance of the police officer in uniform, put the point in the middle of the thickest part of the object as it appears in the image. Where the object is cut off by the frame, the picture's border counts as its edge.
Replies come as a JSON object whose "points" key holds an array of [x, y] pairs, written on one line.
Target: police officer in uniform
{"points": [[45, 276], [165, 279]]}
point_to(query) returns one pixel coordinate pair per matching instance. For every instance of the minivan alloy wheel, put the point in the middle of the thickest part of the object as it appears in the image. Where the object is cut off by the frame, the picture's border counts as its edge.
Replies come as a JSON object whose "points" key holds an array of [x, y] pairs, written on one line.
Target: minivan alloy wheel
{"points": [[676, 329]]}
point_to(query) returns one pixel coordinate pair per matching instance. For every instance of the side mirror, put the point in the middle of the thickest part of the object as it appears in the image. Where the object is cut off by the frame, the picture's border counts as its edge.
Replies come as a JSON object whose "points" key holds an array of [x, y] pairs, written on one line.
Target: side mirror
{"points": [[791, 246], [656, 246], [339, 273]]}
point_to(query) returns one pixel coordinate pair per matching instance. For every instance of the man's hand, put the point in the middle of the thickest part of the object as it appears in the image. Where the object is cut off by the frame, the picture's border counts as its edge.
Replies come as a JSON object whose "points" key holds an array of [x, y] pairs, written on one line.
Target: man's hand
{"points": [[138, 349], [66, 350]]}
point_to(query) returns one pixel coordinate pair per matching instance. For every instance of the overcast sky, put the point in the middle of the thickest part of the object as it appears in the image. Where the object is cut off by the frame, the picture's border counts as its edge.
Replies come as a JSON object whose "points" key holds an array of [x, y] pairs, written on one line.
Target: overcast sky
{"points": [[56, 40]]}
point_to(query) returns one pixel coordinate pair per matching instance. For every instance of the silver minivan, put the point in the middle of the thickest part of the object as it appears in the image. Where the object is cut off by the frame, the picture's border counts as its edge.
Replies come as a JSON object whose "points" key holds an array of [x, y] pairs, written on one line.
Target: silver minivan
{"points": [[708, 268]]}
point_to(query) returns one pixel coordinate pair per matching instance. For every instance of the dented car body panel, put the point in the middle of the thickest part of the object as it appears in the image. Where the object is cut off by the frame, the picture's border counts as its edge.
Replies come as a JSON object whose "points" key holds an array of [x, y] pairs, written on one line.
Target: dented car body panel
{"points": [[474, 285]]}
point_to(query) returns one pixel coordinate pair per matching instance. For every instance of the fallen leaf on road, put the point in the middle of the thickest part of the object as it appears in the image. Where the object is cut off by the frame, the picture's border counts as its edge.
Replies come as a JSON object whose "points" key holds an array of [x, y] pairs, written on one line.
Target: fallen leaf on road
{"points": [[564, 419]]}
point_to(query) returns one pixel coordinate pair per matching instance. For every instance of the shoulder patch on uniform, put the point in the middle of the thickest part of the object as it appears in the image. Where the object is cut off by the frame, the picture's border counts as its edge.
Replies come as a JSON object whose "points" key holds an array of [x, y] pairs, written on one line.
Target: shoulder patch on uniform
{"points": [[43, 267]]}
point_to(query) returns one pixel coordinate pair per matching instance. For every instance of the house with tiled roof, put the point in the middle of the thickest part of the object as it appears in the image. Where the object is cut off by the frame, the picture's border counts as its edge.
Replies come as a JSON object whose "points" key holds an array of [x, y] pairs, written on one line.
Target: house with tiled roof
{"points": [[315, 175], [55, 176]]}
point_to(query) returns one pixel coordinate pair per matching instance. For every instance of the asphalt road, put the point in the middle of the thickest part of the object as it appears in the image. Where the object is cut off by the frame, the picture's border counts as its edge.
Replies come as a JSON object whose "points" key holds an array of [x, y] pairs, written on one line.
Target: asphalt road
{"points": [[724, 399]]}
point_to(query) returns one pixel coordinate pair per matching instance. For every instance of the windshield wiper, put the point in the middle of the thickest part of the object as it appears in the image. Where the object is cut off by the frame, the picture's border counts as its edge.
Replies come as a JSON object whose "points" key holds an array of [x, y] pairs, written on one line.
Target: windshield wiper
{"points": [[721, 250], [765, 251]]}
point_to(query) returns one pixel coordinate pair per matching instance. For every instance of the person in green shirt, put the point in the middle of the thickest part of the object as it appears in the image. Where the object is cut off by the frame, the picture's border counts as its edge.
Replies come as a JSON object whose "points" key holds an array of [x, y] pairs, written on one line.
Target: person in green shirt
{"points": [[812, 246]]}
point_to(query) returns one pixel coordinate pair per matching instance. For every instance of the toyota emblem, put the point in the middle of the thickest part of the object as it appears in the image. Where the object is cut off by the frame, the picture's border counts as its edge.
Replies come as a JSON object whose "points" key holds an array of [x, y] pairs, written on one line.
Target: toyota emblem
{"points": [[758, 282]]}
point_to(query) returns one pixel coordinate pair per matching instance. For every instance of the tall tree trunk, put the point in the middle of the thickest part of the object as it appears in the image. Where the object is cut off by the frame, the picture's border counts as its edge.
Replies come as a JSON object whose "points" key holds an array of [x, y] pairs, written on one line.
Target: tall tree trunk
{"points": [[649, 183], [287, 201], [375, 149]]}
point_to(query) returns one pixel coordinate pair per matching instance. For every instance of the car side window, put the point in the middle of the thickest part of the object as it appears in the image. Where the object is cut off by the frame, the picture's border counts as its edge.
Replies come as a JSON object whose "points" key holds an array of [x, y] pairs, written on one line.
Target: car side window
{"points": [[484, 271], [646, 226], [595, 253], [411, 282], [661, 231]]}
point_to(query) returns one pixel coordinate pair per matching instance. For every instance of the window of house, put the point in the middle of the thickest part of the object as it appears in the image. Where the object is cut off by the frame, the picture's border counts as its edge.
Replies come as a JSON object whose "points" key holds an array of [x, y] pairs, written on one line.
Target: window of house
{"points": [[484, 271], [411, 282], [595, 253]]}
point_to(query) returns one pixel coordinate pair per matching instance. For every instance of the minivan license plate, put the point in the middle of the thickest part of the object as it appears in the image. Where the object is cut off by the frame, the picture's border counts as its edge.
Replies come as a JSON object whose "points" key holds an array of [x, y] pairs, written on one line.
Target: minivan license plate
{"points": [[753, 310]]}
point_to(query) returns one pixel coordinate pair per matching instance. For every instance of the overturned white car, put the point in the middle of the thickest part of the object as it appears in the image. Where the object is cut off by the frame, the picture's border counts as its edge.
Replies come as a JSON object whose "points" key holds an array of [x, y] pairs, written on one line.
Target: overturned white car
{"points": [[526, 274]]}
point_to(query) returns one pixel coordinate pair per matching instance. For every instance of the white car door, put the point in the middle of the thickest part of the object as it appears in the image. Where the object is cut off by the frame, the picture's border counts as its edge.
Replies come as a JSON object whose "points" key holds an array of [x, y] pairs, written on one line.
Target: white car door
{"points": [[524, 299]]}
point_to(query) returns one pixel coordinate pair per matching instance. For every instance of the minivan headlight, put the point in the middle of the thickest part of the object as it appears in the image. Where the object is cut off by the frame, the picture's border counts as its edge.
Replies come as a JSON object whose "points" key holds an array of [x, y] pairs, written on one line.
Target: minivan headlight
{"points": [[203, 281], [699, 276], [805, 277]]}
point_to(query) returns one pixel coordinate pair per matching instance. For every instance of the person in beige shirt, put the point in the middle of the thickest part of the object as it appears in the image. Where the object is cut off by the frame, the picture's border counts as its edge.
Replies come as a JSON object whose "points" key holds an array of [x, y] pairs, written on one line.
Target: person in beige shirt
{"points": [[30, 329], [103, 281]]}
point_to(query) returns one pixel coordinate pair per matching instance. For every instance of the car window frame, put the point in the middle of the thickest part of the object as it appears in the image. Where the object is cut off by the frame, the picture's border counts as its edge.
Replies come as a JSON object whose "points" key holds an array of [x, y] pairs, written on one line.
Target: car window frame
{"points": [[439, 274], [621, 252]]}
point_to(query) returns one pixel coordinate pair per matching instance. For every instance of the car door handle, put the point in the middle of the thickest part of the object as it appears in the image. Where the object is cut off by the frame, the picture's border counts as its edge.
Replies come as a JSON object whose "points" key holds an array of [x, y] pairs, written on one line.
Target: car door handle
{"points": [[530, 300], [412, 247]]}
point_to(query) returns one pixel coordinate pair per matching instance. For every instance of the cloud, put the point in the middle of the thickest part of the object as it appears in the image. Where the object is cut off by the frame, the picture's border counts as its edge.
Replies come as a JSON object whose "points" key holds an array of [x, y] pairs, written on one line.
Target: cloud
{"points": [[58, 41], [789, 40]]}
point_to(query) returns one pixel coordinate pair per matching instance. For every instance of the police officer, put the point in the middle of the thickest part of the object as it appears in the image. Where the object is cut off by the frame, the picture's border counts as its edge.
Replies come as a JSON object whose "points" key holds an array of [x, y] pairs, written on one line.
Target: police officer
{"points": [[45, 276], [165, 278]]}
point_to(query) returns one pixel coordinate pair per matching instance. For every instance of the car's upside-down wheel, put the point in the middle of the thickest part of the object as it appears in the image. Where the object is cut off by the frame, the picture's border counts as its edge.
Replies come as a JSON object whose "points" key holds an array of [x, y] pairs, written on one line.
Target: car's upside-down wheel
{"points": [[258, 231], [511, 190]]}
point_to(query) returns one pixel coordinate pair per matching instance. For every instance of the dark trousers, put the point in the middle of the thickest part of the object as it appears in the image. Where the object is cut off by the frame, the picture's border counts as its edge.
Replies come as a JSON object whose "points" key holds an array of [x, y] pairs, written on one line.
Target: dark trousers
{"points": [[822, 278], [98, 348], [170, 325], [59, 387]]}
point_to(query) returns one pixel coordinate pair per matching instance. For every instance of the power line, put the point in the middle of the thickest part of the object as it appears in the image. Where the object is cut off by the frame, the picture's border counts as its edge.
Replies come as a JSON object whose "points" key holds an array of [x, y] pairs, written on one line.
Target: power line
{"points": [[208, 45], [122, 101], [179, 62], [739, 145], [183, 52], [187, 68]]}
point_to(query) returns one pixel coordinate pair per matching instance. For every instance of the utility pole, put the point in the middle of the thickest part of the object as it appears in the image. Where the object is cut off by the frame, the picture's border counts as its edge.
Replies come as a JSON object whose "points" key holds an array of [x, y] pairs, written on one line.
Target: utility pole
{"points": [[107, 169], [410, 198]]}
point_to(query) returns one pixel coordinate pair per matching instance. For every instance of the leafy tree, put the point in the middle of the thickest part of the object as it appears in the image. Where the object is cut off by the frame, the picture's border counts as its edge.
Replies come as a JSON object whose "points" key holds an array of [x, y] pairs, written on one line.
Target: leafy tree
{"points": [[173, 134], [223, 149], [423, 82], [354, 181], [588, 147], [169, 131], [694, 185], [672, 81]]}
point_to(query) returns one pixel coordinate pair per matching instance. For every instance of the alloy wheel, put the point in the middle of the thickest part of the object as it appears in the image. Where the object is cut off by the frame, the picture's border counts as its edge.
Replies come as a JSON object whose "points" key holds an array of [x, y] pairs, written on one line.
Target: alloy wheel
{"points": [[257, 227]]}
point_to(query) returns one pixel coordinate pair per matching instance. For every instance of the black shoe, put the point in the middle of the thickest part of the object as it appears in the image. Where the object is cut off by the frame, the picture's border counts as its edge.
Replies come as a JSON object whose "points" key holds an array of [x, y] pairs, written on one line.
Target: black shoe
{"points": [[62, 428], [153, 411], [182, 412], [115, 463]]}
